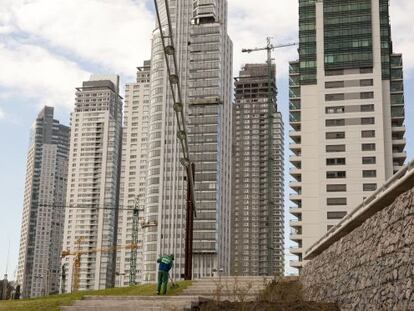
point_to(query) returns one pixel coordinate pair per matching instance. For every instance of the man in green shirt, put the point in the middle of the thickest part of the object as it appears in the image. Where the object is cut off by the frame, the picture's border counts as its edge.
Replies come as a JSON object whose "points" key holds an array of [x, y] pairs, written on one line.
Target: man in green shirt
{"points": [[165, 266]]}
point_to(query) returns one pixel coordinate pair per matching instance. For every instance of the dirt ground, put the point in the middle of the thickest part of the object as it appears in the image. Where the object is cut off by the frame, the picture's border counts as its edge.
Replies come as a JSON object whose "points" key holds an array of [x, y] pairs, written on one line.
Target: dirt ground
{"points": [[283, 295]]}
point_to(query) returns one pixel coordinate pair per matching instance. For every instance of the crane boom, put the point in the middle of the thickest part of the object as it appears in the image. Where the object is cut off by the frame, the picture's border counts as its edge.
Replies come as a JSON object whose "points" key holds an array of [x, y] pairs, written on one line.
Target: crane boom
{"points": [[269, 47]]}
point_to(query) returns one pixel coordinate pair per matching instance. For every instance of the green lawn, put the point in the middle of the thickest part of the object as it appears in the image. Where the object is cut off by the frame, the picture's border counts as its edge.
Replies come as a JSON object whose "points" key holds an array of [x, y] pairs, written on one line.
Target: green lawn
{"points": [[52, 303]]}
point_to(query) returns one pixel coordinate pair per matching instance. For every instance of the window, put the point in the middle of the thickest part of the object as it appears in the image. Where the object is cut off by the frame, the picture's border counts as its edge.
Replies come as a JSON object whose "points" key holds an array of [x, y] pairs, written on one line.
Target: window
{"points": [[335, 215], [338, 72], [366, 70], [338, 109], [334, 84], [335, 174], [368, 147], [335, 135], [369, 173], [367, 121], [336, 188], [367, 95], [366, 82], [369, 187], [367, 134], [335, 201], [336, 161], [366, 108], [369, 160], [333, 97], [335, 122], [335, 148]]}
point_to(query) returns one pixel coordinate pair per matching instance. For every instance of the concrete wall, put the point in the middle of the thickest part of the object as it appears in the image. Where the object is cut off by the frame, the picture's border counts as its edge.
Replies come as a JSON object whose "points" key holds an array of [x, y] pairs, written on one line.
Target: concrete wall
{"points": [[372, 267]]}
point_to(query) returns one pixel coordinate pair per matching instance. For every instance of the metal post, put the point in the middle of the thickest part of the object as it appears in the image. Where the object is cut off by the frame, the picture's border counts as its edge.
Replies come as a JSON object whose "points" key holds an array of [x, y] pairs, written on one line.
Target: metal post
{"points": [[188, 273], [133, 263]]}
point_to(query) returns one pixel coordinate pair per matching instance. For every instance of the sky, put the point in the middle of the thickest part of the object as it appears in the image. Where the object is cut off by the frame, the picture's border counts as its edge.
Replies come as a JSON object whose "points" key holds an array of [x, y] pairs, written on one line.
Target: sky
{"points": [[48, 47]]}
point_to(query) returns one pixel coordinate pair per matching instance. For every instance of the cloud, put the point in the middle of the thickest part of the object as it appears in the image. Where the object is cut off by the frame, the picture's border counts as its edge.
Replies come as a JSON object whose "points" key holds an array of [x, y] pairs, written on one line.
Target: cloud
{"points": [[114, 35], [402, 31], [250, 23], [48, 47], [2, 114], [38, 75]]}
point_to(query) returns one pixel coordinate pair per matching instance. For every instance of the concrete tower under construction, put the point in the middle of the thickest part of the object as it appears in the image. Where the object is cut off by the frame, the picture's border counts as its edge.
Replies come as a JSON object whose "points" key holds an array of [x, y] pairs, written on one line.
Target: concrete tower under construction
{"points": [[257, 175]]}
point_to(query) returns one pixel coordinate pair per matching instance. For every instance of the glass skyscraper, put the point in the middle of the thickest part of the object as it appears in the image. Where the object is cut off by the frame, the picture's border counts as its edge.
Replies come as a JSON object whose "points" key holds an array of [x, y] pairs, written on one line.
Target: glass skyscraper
{"points": [[204, 54]]}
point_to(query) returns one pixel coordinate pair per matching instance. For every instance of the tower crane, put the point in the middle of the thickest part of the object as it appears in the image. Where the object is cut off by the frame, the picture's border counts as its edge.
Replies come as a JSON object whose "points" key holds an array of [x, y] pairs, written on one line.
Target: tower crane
{"points": [[78, 252], [135, 220], [271, 109], [269, 48]]}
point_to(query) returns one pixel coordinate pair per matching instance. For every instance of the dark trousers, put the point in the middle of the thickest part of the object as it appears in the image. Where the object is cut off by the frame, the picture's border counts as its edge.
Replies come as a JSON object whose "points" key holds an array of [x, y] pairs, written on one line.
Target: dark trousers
{"points": [[162, 282]]}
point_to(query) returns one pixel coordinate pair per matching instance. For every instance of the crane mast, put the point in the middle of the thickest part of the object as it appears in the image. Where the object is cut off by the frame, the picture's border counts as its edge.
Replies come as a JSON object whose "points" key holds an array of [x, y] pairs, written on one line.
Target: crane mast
{"points": [[135, 225]]}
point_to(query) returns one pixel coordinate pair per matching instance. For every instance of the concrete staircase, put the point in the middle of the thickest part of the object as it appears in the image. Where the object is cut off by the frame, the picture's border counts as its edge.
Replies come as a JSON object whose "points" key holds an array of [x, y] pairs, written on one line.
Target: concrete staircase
{"points": [[135, 303], [217, 288], [224, 288]]}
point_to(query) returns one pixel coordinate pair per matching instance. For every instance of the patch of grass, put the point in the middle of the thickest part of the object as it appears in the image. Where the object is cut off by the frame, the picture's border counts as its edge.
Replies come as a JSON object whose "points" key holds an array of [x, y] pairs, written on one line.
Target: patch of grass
{"points": [[52, 303]]}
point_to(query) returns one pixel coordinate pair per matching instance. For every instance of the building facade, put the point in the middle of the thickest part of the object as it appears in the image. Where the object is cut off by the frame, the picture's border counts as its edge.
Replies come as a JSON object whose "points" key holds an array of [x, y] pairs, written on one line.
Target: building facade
{"points": [[43, 213], [346, 112], [204, 54], [134, 170], [93, 185], [257, 172]]}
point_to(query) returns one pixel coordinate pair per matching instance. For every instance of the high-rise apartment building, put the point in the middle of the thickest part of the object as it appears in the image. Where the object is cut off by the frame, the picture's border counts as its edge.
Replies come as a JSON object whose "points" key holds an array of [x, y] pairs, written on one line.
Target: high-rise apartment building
{"points": [[346, 111], [257, 175], [204, 54], [134, 171], [93, 184], [43, 214]]}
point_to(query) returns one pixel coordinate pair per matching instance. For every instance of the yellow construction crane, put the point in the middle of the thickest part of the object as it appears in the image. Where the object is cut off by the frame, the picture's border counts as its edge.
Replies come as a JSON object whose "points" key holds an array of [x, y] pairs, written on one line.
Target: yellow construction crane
{"points": [[78, 252]]}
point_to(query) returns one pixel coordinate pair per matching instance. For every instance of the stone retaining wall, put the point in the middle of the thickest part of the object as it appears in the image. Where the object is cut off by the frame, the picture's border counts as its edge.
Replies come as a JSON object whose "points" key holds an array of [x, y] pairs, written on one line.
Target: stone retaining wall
{"points": [[371, 268]]}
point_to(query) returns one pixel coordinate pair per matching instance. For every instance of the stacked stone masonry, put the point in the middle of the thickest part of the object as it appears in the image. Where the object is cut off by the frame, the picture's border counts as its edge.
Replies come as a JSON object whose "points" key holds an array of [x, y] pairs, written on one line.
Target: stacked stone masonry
{"points": [[371, 268]]}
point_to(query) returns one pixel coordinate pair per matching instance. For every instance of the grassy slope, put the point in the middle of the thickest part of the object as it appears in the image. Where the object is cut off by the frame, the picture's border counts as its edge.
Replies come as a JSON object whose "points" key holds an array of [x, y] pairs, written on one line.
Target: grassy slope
{"points": [[52, 303]]}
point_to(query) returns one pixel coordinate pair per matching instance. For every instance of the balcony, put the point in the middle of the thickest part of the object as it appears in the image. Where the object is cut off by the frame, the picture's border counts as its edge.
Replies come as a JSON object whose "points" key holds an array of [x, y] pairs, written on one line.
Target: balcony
{"points": [[294, 105], [295, 171], [295, 146], [296, 264], [294, 68], [399, 129], [295, 160], [295, 211], [294, 117], [296, 250], [296, 198], [295, 185], [399, 154], [396, 168], [294, 134], [296, 223], [399, 142], [296, 237]]}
